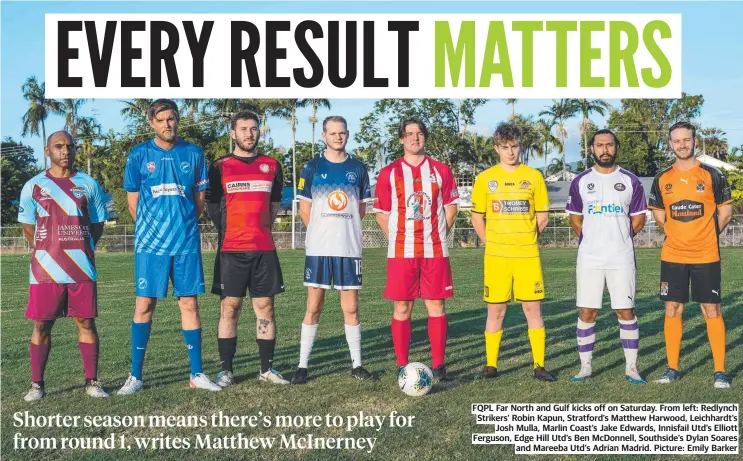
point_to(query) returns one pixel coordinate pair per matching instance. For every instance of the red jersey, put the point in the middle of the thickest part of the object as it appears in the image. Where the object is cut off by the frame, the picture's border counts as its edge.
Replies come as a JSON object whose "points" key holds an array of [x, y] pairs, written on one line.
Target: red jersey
{"points": [[415, 197], [239, 201]]}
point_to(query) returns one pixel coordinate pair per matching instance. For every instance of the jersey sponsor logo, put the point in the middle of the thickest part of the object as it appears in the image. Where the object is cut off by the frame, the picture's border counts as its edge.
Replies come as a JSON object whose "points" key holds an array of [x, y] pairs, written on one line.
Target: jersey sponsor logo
{"points": [[142, 283], [264, 167], [524, 184], [684, 180], [591, 186], [511, 206], [700, 186], [669, 188], [686, 210], [510, 184], [72, 233], [492, 185], [167, 189], [248, 186], [202, 182], [611, 209], [664, 288], [300, 185], [41, 233], [351, 177], [454, 193], [419, 206], [620, 187], [337, 200], [150, 166], [45, 193], [185, 167]]}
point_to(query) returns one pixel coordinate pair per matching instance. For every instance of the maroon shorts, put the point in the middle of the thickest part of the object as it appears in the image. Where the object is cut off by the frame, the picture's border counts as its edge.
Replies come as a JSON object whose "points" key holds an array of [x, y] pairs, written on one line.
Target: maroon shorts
{"points": [[412, 278], [49, 301]]}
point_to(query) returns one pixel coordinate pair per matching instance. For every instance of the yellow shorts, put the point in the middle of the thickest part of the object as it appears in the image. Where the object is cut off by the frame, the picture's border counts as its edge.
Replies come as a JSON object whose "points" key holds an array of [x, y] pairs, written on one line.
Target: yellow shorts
{"points": [[519, 279]]}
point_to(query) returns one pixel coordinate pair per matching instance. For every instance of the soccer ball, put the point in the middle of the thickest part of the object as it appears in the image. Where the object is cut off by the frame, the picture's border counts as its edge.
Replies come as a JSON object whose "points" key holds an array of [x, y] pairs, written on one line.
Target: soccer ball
{"points": [[415, 379]]}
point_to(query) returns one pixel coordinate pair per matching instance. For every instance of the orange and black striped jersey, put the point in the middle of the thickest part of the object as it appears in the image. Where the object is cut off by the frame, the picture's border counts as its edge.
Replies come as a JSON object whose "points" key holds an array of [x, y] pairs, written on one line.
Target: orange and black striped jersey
{"points": [[690, 199]]}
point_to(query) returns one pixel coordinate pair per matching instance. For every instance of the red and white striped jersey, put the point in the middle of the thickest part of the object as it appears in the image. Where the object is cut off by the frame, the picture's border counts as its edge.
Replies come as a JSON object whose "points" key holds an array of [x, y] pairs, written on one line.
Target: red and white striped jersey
{"points": [[415, 197]]}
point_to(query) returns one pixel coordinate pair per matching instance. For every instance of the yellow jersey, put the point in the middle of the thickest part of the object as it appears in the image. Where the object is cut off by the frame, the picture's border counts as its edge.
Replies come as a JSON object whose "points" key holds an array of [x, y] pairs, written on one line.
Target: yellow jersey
{"points": [[510, 202]]}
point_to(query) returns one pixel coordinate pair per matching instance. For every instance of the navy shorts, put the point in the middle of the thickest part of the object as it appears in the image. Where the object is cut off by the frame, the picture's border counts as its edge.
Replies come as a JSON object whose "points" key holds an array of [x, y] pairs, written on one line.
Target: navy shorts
{"points": [[152, 272], [332, 272]]}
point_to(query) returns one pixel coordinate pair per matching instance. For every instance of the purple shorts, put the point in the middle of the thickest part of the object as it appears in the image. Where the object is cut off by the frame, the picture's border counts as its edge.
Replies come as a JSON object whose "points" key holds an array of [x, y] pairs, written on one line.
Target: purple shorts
{"points": [[49, 301]]}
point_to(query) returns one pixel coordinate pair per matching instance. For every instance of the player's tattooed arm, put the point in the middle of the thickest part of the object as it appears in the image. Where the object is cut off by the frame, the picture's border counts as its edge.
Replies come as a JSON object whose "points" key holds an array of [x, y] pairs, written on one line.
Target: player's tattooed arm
{"points": [[96, 230], [724, 216], [28, 231]]}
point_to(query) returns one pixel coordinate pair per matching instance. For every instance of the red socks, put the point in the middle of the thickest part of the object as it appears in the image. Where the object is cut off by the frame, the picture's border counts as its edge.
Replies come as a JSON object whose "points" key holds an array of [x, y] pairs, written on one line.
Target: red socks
{"points": [[437, 336], [401, 331]]}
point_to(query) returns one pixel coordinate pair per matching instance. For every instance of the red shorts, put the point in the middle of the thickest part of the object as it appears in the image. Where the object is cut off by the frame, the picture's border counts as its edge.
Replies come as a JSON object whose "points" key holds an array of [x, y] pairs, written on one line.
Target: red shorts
{"points": [[49, 301], [412, 278]]}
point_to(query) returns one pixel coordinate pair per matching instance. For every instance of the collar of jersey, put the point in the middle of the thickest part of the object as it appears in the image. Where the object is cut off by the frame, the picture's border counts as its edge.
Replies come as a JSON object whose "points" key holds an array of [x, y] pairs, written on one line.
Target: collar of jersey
{"points": [[500, 167], [178, 142], [425, 159], [54, 178], [696, 165]]}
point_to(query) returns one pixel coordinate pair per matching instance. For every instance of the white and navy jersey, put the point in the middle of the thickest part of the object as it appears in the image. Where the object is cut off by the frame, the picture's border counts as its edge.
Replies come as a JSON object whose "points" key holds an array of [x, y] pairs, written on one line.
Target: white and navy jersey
{"points": [[336, 190], [606, 202]]}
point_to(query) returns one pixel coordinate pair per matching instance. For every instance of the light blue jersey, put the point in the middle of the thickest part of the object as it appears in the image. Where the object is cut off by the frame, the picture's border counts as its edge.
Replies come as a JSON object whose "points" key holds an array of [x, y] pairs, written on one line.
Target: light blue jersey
{"points": [[336, 191], [166, 180]]}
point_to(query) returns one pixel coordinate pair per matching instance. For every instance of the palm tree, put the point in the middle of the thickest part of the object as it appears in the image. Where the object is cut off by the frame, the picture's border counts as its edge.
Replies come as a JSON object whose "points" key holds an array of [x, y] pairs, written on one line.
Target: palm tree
{"points": [[512, 102], [586, 107], [225, 108], [315, 104], [39, 108], [70, 110], [544, 129], [557, 165], [559, 112], [88, 131], [136, 110]]}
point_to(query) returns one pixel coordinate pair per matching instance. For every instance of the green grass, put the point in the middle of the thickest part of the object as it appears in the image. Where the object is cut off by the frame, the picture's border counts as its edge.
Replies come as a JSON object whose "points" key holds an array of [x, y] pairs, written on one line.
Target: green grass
{"points": [[443, 423]]}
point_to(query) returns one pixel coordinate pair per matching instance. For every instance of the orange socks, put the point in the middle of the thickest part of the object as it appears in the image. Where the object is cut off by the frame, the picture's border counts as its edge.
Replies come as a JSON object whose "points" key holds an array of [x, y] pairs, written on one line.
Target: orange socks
{"points": [[716, 335], [673, 331]]}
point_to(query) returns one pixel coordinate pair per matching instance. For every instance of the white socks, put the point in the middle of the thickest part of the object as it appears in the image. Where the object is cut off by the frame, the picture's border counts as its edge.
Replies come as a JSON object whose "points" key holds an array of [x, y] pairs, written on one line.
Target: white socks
{"points": [[305, 344]]}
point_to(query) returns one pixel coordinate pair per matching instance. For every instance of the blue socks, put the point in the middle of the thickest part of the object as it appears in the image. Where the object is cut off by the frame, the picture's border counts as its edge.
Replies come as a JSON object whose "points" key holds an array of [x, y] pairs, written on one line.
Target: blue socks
{"points": [[140, 336], [193, 343]]}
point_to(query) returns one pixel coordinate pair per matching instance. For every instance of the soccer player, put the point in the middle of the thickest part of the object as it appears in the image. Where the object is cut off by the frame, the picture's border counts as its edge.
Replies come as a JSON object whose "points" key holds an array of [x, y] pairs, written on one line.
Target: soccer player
{"points": [[607, 208], [62, 211], [243, 202], [333, 191], [416, 204], [512, 198], [165, 179], [691, 201]]}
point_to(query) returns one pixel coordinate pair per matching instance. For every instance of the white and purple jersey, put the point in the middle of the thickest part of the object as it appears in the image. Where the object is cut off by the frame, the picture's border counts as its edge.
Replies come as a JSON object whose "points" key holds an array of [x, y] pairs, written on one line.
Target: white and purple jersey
{"points": [[336, 191], [606, 202]]}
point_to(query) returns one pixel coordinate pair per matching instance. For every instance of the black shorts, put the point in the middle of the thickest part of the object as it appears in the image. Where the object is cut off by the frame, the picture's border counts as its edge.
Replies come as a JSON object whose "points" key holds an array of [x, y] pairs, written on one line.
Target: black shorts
{"points": [[257, 272], [705, 282]]}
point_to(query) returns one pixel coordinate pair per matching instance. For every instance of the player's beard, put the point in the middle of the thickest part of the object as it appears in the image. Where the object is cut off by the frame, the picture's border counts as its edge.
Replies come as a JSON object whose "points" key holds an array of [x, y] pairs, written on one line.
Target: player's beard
{"points": [[167, 136], [607, 163], [248, 145], [681, 156]]}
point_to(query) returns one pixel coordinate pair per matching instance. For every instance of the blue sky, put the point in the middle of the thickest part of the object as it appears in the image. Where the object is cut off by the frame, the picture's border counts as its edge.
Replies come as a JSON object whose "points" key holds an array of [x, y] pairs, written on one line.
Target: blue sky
{"points": [[712, 56]]}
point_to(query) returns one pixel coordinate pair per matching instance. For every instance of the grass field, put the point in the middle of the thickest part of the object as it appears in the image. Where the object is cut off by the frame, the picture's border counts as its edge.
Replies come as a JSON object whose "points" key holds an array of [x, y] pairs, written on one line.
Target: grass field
{"points": [[443, 423]]}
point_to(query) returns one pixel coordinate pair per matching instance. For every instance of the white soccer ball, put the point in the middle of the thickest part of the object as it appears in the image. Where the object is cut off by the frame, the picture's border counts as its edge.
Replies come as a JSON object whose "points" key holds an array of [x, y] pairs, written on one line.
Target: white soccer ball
{"points": [[415, 379]]}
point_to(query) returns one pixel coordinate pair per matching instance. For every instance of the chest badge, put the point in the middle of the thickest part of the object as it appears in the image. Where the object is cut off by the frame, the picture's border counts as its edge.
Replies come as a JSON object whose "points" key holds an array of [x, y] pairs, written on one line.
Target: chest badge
{"points": [[150, 166], [264, 168]]}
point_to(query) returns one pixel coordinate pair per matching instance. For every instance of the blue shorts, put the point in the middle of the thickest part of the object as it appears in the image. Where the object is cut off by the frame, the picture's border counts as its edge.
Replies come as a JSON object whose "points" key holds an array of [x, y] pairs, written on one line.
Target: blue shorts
{"points": [[151, 274], [332, 272]]}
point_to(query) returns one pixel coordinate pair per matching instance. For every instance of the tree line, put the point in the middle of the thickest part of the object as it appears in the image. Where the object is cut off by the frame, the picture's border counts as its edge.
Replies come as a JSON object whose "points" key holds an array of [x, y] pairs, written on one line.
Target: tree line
{"points": [[641, 126]]}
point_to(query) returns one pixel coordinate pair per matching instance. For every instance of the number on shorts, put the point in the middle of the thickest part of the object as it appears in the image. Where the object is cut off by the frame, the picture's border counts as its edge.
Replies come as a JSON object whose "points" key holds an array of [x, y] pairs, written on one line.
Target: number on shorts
{"points": [[358, 266]]}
